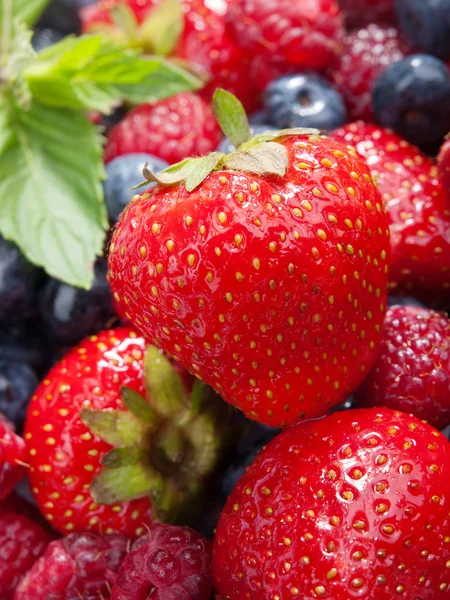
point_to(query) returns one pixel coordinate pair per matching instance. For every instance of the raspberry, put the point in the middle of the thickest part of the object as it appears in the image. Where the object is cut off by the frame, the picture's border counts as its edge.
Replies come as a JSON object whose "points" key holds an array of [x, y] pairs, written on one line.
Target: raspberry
{"points": [[357, 12], [12, 456], [82, 565], [171, 129], [366, 52], [22, 542], [170, 563]]}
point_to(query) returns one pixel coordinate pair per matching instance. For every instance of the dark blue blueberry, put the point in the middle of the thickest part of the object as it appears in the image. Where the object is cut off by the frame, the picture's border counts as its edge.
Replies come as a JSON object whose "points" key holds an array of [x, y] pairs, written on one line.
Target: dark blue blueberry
{"points": [[304, 100], [62, 16], [19, 282], [108, 121], [426, 24], [122, 174], [412, 97], [18, 382], [25, 341], [70, 314], [404, 301], [43, 38], [227, 147], [259, 118]]}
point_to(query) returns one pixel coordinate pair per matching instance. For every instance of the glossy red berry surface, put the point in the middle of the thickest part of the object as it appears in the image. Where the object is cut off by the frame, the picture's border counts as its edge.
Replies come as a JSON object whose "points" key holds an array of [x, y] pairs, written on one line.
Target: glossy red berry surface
{"points": [[357, 12], [171, 129], [365, 53], [169, 563], [81, 565], [13, 456], [418, 208], [22, 542], [412, 372], [443, 161], [270, 289], [63, 453], [355, 505]]}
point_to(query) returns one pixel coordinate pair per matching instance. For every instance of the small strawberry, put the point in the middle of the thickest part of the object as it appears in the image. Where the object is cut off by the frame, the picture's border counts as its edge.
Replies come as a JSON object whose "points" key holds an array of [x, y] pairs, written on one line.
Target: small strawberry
{"points": [[418, 208], [100, 454], [170, 129], [443, 162], [81, 565], [22, 542], [365, 53], [304, 34], [13, 455], [173, 562], [355, 505], [262, 272], [412, 372], [358, 12]]}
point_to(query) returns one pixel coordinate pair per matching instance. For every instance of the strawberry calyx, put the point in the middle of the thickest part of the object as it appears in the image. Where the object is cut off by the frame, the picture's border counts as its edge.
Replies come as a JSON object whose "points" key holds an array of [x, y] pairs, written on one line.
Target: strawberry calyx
{"points": [[164, 450], [259, 155]]}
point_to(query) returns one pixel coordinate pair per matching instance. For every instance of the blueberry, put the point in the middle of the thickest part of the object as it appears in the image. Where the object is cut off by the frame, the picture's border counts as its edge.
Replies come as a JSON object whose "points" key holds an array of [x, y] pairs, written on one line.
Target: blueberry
{"points": [[62, 16], [412, 97], [43, 38], [25, 341], [259, 118], [19, 282], [70, 314], [426, 24], [122, 174], [304, 100], [227, 147], [17, 384]]}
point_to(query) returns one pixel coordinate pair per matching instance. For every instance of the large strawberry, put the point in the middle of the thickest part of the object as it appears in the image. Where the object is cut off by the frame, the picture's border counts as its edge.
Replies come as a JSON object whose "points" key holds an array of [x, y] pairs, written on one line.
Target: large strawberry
{"points": [[100, 454], [418, 206], [355, 505], [262, 272]]}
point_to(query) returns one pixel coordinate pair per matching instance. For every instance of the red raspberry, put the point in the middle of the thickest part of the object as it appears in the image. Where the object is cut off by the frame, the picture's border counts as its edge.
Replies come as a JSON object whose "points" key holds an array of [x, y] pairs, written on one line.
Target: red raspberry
{"points": [[412, 372], [443, 161], [365, 53], [81, 565], [22, 542], [300, 33], [13, 455], [171, 129], [357, 12], [173, 562]]}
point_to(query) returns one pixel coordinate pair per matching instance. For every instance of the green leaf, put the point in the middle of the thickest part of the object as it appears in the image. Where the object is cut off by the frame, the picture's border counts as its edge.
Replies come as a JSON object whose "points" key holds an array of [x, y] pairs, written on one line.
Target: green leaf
{"points": [[202, 168], [269, 158], [125, 19], [231, 116], [269, 136], [122, 457], [50, 189], [91, 72], [124, 484], [116, 427], [163, 27], [139, 406], [27, 11], [164, 385]]}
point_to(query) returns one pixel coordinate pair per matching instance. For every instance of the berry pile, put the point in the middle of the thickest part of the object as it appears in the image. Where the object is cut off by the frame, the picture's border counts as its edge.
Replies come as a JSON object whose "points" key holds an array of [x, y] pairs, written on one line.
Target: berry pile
{"points": [[244, 400]]}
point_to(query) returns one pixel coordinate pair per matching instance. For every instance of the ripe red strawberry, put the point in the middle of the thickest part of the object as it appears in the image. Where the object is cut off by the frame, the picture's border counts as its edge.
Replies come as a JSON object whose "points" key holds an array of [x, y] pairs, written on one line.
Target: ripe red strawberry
{"points": [[171, 129], [97, 449], [418, 207], [358, 12], [365, 53], [174, 562], [412, 372], [270, 288], [22, 542], [355, 505], [81, 565], [304, 34], [13, 455], [443, 161]]}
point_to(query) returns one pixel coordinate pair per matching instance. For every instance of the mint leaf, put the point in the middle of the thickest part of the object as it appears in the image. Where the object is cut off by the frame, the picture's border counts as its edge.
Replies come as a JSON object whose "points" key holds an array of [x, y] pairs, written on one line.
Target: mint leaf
{"points": [[231, 116], [93, 73], [269, 158], [29, 11], [163, 27], [50, 188]]}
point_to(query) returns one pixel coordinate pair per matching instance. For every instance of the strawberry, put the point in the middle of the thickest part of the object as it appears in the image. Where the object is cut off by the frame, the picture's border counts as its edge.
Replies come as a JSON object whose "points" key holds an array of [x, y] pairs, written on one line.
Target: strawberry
{"points": [[355, 505], [358, 12], [365, 53], [13, 455], [262, 272], [304, 34], [443, 162], [418, 208], [412, 371], [100, 454], [170, 129], [201, 40]]}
